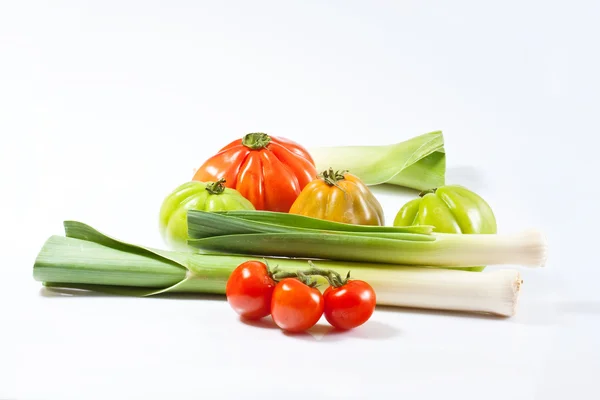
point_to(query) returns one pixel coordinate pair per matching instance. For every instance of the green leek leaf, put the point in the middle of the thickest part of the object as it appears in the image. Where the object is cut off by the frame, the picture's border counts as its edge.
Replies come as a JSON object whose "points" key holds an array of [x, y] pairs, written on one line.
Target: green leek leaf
{"points": [[301, 221], [202, 224], [418, 163]]}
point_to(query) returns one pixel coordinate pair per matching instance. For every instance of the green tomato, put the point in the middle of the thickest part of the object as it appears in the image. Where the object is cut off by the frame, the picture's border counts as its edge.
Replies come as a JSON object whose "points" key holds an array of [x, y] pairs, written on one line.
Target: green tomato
{"points": [[203, 196], [450, 209]]}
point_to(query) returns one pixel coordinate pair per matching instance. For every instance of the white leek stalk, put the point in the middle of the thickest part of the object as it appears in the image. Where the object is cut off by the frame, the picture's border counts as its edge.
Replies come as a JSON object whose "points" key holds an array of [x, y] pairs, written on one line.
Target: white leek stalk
{"points": [[234, 233], [495, 292], [87, 259]]}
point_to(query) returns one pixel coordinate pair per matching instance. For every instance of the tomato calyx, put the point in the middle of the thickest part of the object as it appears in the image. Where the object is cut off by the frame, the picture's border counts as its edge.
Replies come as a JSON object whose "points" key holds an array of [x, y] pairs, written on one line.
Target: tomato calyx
{"points": [[271, 271], [256, 140], [216, 187], [332, 177], [428, 191]]}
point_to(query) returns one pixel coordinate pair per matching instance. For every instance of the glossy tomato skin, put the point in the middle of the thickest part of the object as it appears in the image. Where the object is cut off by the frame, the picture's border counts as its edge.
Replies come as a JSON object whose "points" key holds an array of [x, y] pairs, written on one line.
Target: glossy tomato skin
{"points": [[350, 305], [349, 201], [194, 196], [450, 209], [249, 290], [271, 176], [296, 307]]}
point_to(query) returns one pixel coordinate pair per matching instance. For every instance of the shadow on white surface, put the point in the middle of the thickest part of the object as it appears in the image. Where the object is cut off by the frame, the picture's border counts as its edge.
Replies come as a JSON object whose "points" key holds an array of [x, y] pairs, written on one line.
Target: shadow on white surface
{"points": [[265, 323], [373, 330], [442, 313], [189, 296], [66, 292], [55, 292]]}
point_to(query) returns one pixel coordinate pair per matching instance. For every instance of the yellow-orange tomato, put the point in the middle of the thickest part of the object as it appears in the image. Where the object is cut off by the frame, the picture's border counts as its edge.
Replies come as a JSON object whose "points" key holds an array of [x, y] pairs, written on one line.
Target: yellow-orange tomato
{"points": [[340, 197]]}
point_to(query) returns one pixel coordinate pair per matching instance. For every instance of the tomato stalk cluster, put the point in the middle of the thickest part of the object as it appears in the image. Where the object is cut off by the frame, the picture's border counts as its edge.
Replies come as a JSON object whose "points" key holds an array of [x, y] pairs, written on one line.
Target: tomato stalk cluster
{"points": [[292, 299], [306, 276]]}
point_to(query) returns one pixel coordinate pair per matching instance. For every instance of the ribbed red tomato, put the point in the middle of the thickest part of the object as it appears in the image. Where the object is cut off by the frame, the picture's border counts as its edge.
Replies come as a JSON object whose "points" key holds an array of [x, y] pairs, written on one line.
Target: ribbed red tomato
{"points": [[267, 170]]}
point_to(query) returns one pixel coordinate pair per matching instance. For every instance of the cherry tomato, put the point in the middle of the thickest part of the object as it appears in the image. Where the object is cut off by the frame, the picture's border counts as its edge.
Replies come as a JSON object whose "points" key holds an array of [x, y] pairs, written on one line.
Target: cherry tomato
{"points": [[349, 305], [249, 290], [295, 306]]}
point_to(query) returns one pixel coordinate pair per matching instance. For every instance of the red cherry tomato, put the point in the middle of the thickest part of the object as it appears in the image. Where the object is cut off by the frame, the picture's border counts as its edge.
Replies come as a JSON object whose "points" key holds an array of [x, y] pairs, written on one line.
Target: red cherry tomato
{"points": [[296, 307], [249, 290], [349, 305]]}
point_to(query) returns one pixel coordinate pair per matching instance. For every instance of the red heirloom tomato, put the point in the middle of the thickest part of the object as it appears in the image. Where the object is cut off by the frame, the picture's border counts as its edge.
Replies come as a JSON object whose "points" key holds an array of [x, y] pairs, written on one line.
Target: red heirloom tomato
{"points": [[267, 170], [295, 306], [349, 305], [249, 290]]}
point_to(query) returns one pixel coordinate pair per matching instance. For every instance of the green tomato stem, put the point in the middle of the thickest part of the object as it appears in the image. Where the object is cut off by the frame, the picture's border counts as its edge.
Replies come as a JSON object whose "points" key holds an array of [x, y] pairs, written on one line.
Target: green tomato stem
{"points": [[332, 177], [428, 191], [256, 140], [333, 278], [216, 187]]}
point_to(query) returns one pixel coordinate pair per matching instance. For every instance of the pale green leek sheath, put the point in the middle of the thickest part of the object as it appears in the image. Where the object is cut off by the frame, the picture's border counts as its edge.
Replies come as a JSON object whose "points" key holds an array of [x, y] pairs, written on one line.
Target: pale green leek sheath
{"points": [[418, 163], [87, 259]]}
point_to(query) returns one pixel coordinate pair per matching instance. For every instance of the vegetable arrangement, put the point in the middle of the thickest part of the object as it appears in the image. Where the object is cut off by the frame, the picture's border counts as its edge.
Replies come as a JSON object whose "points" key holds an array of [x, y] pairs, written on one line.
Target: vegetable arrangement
{"points": [[260, 200]]}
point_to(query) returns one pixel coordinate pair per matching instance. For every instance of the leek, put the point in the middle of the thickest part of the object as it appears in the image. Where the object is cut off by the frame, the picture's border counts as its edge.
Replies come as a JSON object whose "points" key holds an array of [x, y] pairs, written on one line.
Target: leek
{"points": [[86, 259], [302, 221], [418, 163], [237, 235], [211, 224]]}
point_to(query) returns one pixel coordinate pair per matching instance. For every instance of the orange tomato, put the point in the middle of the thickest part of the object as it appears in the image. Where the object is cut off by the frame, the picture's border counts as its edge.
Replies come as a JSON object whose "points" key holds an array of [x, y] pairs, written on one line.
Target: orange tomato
{"points": [[267, 170], [340, 197]]}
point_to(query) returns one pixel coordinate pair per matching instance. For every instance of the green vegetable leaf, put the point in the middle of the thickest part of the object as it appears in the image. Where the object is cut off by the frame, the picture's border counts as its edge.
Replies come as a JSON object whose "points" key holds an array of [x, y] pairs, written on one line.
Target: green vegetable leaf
{"points": [[94, 261], [202, 224], [418, 163]]}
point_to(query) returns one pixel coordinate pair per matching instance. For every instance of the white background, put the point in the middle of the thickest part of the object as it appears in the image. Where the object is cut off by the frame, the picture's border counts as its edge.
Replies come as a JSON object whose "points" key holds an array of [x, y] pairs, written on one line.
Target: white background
{"points": [[105, 107]]}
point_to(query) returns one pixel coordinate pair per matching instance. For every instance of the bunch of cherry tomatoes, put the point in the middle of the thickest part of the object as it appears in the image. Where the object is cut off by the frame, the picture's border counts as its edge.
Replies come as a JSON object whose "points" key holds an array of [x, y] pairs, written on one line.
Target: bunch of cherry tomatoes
{"points": [[293, 300]]}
